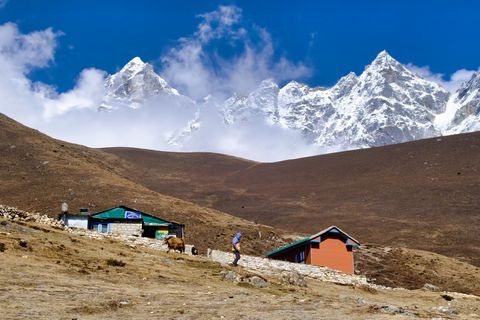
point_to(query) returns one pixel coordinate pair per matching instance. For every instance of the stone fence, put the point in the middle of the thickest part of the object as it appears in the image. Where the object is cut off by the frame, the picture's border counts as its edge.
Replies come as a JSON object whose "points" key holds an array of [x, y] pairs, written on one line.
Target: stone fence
{"points": [[129, 240], [15, 214], [276, 267]]}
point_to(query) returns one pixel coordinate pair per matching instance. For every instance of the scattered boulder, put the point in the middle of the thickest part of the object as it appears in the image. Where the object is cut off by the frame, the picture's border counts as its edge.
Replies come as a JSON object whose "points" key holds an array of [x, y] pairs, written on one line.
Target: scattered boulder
{"points": [[390, 309], [253, 280], [257, 281], [230, 276], [293, 278], [430, 287], [447, 310]]}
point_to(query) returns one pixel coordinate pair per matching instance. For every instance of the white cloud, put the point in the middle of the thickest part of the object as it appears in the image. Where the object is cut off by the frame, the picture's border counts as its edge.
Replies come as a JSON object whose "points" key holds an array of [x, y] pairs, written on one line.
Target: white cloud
{"points": [[34, 102], [219, 23], [27, 51], [451, 83], [197, 65], [198, 69], [73, 115], [88, 93]]}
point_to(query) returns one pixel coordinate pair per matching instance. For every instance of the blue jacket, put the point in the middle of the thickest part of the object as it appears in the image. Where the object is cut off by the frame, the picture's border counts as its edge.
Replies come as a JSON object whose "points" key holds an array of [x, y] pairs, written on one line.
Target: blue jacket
{"points": [[236, 240]]}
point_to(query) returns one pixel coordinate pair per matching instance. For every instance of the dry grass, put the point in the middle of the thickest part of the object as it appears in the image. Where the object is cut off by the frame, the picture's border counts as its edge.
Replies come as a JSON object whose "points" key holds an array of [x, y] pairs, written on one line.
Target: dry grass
{"points": [[154, 284], [412, 269], [115, 263]]}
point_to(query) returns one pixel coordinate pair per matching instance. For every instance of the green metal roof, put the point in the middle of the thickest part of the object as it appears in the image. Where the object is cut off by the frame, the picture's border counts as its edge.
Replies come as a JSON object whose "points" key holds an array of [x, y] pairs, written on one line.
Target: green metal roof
{"points": [[291, 245], [119, 213], [329, 229]]}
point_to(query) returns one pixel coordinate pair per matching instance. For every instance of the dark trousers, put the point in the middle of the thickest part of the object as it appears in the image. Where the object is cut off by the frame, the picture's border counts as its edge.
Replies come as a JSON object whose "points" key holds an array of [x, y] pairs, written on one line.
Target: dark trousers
{"points": [[237, 257]]}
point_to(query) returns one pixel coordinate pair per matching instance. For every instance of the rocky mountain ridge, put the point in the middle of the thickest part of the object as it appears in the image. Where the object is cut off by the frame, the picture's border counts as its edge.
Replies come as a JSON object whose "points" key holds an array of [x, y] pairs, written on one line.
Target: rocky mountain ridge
{"points": [[386, 104]]}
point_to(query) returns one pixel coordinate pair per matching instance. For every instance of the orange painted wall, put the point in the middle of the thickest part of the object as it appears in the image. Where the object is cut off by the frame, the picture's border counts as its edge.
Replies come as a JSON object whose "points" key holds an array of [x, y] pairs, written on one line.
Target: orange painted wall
{"points": [[333, 253]]}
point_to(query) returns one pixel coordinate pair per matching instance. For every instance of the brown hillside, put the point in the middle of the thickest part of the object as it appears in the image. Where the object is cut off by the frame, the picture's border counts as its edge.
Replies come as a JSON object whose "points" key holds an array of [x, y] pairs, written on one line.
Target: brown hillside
{"points": [[51, 274], [39, 173], [422, 194]]}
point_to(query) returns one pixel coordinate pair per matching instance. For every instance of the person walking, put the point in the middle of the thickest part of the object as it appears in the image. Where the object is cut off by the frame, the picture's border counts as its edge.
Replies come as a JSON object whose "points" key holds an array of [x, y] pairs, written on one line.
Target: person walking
{"points": [[236, 248]]}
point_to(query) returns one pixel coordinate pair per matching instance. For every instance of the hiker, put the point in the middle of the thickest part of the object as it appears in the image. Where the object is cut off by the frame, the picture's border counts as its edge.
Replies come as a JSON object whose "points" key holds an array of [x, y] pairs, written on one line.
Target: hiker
{"points": [[236, 248]]}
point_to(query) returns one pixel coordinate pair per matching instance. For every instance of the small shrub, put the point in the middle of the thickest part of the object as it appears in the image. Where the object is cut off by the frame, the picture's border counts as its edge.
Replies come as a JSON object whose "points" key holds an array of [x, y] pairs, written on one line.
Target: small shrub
{"points": [[115, 263], [2, 247], [447, 297], [23, 243]]}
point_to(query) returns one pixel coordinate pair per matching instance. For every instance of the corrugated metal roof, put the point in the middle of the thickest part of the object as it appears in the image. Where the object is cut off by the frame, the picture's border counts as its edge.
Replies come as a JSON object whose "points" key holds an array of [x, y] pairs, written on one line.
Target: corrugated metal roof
{"points": [[119, 213], [288, 246]]}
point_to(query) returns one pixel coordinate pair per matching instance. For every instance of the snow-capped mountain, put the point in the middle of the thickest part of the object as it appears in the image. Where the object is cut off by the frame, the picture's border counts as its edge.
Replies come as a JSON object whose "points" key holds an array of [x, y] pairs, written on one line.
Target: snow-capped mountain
{"points": [[133, 84], [386, 104], [263, 102], [464, 107]]}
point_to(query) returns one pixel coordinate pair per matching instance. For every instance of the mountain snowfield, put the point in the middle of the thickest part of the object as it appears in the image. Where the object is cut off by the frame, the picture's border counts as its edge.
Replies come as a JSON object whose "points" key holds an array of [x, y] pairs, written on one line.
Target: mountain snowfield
{"points": [[386, 104]]}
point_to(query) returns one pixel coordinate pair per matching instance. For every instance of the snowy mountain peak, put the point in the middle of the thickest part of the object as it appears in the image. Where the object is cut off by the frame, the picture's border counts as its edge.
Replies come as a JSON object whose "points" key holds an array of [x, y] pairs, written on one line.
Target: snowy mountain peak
{"points": [[261, 103], [295, 88], [268, 83], [385, 61], [133, 84], [465, 105], [386, 104], [344, 85], [135, 65], [472, 84]]}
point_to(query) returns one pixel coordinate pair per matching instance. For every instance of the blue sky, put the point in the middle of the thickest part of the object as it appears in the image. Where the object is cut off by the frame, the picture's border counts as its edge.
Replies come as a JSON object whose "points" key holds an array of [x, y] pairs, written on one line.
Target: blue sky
{"points": [[330, 38]]}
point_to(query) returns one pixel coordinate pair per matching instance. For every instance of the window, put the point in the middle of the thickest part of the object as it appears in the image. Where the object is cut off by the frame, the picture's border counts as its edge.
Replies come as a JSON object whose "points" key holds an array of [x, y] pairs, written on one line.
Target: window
{"points": [[103, 228], [300, 257]]}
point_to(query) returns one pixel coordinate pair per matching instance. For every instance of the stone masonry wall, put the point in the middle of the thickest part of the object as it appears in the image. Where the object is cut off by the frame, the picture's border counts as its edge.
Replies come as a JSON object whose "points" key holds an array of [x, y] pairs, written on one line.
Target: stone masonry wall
{"points": [[126, 228], [276, 267]]}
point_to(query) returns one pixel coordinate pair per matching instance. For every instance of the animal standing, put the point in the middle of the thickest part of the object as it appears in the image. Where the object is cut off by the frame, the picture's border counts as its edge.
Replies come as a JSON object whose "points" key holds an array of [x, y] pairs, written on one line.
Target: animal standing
{"points": [[175, 244]]}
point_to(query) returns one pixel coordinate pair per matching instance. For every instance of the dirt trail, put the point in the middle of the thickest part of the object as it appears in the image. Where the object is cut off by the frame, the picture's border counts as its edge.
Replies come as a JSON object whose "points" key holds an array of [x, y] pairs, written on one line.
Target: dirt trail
{"points": [[55, 275]]}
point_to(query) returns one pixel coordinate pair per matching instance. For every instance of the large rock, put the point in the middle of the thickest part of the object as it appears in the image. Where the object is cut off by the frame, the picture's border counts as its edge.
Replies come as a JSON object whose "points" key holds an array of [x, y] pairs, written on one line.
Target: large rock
{"points": [[293, 278], [257, 281]]}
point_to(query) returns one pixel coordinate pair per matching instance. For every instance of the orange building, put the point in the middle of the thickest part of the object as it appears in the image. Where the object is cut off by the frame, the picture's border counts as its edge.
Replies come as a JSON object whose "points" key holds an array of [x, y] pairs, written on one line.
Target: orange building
{"points": [[331, 248]]}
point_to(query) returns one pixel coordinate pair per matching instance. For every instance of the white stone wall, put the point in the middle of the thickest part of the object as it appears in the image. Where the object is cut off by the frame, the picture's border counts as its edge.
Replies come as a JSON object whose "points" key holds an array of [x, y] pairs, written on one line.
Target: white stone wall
{"points": [[126, 228], [276, 267], [77, 222]]}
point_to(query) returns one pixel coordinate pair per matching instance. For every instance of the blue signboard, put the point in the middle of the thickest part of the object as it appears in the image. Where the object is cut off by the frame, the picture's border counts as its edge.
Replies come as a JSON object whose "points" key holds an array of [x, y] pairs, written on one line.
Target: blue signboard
{"points": [[133, 215]]}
